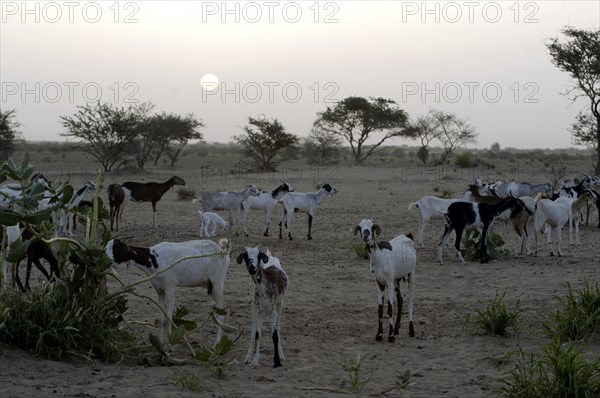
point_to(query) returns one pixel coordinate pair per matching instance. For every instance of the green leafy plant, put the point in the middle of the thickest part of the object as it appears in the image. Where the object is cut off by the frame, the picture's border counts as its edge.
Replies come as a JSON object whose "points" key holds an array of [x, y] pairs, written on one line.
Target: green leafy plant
{"points": [[443, 193], [73, 318], [577, 316], [497, 316], [472, 245], [216, 359], [186, 194], [562, 370], [190, 381], [361, 250], [357, 376]]}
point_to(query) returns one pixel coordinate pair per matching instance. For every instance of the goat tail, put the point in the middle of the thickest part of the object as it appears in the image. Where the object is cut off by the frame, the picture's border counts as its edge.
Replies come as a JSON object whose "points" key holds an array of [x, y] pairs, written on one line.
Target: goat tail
{"points": [[415, 204]]}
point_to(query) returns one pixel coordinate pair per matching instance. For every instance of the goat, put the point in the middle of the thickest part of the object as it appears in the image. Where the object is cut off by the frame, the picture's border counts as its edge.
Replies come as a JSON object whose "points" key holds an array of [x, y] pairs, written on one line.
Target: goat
{"points": [[516, 189], [270, 284], [37, 250], [299, 201], [520, 221], [209, 220], [209, 271], [391, 261], [574, 208], [67, 216], [116, 196], [231, 201], [429, 209], [264, 201], [481, 215], [149, 191]]}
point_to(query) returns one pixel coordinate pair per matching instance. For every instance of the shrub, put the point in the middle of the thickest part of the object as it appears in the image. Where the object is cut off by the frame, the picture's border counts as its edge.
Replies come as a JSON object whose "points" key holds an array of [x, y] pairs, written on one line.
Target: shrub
{"points": [[186, 194], [577, 316], [472, 239], [497, 316], [561, 371], [466, 159]]}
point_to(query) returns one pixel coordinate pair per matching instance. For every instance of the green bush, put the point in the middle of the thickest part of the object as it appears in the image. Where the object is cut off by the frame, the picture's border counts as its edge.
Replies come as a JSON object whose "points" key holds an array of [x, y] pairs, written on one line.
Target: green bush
{"points": [[472, 239], [186, 194], [496, 317], [577, 316], [466, 159], [562, 370], [361, 250]]}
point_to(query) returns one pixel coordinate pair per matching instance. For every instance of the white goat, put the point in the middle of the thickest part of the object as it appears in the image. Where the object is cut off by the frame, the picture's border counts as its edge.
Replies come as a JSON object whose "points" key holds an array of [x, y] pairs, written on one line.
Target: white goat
{"points": [[432, 208], [302, 201], [266, 200], [209, 223], [556, 215], [209, 271], [575, 207], [391, 261], [270, 283], [231, 201]]}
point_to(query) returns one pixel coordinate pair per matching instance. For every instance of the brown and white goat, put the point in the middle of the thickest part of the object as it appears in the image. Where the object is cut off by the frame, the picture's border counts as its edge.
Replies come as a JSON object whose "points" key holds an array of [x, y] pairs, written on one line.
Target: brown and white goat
{"points": [[270, 283], [391, 262]]}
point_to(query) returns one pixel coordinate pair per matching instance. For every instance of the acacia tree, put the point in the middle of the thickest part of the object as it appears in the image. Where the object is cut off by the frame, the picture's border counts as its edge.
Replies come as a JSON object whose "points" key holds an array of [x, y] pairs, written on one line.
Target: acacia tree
{"points": [[424, 130], [181, 129], [8, 132], [357, 120], [110, 132], [579, 56], [322, 147], [451, 131], [263, 140]]}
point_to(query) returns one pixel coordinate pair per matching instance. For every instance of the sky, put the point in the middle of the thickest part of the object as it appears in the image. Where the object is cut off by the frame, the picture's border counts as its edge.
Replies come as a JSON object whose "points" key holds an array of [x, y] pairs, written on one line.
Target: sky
{"points": [[484, 61]]}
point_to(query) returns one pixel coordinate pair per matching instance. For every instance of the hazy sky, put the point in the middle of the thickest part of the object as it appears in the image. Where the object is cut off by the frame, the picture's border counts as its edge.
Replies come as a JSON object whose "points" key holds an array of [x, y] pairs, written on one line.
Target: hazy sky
{"points": [[485, 61]]}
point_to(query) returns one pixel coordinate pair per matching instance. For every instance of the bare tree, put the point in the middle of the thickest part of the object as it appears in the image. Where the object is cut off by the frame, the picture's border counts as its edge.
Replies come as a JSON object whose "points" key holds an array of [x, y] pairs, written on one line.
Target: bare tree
{"points": [[452, 132], [425, 131], [322, 147]]}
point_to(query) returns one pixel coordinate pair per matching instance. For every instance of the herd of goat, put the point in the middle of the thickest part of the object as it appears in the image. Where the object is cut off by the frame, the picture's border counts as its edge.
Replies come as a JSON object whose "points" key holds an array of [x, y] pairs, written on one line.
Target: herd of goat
{"points": [[204, 263]]}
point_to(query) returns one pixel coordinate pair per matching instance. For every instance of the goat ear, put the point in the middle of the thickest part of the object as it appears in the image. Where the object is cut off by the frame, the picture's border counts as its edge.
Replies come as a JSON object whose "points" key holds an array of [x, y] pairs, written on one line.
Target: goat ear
{"points": [[263, 257], [356, 230], [241, 257], [376, 229]]}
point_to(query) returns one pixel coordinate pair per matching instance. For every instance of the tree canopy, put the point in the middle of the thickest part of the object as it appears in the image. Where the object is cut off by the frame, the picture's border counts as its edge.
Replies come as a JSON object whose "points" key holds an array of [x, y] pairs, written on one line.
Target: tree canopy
{"points": [[263, 140], [579, 55], [9, 132], [358, 120]]}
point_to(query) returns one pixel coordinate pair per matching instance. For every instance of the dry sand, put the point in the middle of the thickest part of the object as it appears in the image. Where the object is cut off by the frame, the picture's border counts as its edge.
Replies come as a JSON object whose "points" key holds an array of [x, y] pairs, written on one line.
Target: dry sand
{"points": [[331, 311]]}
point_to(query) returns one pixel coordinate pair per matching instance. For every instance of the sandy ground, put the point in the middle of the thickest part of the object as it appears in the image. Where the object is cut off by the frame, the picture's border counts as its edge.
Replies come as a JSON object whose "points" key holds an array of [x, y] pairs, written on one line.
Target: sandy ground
{"points": [[331, 311]]}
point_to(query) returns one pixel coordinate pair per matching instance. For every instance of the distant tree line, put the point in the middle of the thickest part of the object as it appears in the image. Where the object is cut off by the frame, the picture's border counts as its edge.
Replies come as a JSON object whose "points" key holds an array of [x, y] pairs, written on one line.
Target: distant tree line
{"points": [[116, 136]]}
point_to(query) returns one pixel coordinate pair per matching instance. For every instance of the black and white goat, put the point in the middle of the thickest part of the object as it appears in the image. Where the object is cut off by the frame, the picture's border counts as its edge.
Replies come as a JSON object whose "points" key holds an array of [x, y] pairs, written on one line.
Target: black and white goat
{"points": [[481, 215], [209, 271], [230, 201], [391, 262], [302, 201], [149, 191], [266, 200], [430, 208], [270, 284]]}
